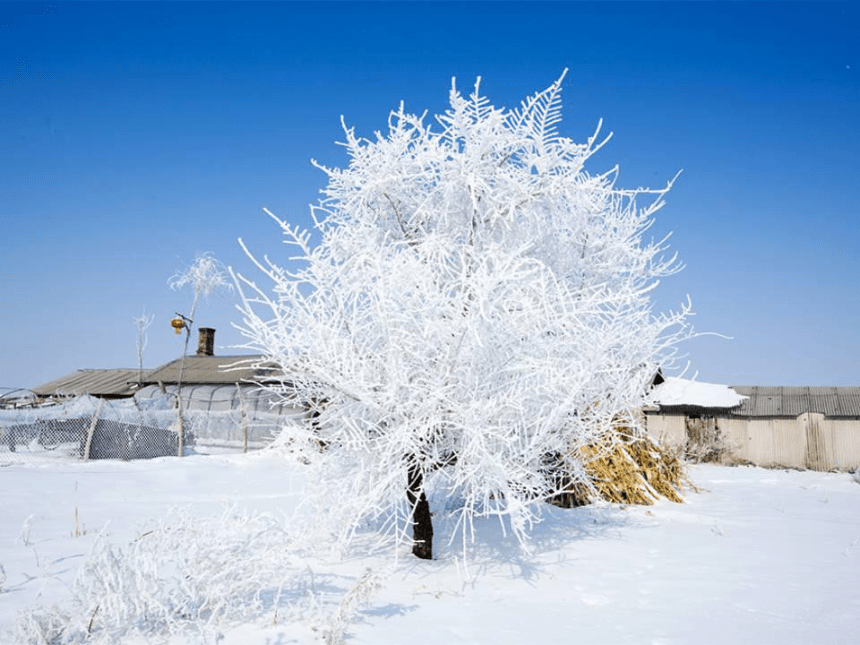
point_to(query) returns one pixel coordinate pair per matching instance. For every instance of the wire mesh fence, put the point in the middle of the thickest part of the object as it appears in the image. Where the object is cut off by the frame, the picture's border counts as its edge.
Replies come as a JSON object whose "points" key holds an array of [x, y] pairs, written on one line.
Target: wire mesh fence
{"points": [[215, 419]]}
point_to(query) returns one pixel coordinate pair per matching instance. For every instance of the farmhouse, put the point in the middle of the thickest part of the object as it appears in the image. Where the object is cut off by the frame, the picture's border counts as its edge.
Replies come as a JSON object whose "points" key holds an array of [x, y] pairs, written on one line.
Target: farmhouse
{"points": [[223, 395], [794, 427], [205, 378], [215, 383], [130, 413]]}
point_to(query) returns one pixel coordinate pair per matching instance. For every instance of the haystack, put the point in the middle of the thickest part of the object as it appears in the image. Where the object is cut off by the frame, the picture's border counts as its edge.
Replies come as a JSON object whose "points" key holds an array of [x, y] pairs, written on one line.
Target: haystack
{"points": [[632, 470]]}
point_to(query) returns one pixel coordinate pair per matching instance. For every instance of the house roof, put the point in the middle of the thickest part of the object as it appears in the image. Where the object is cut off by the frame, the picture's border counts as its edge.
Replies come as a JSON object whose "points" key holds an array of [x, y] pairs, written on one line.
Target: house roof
{"points": [[101, 382], [779, 401], [793, 401], [212, 370]]}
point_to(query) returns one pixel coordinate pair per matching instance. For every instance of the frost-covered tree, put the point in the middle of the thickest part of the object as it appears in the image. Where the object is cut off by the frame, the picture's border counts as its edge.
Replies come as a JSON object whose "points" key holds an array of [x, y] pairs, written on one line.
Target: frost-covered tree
{"points": [[205, 275], [476, 311], [142, 323]]}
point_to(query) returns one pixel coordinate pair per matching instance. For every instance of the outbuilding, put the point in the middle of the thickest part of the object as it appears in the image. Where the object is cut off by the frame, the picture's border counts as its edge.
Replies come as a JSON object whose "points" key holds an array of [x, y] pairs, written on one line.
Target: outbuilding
{"points": [[816, 428]]}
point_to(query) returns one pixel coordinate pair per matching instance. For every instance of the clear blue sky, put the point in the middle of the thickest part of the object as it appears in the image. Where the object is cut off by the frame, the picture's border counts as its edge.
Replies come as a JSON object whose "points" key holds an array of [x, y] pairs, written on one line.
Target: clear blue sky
{"points": [[135, 135]]}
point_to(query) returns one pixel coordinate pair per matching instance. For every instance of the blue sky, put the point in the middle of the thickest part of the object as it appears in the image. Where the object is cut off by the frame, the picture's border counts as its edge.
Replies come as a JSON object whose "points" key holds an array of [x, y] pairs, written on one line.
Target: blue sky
{"points": [[136, 135]]}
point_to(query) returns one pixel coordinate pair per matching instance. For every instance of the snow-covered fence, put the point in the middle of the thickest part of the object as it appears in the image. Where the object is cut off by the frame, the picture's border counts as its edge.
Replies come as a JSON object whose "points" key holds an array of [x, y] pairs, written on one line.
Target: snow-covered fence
{"points": [[86, 428], [142, 427]]}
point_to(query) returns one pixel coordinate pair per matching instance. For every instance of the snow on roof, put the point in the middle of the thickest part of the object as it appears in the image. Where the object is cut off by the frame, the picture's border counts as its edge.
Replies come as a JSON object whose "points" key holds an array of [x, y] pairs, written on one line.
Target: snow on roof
{"points": [[679, 391]]}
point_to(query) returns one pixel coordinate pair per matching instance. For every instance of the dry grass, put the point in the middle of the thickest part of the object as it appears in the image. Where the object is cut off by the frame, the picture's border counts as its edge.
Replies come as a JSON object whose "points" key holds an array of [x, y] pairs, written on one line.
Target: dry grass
{"points": [[634, 470]]}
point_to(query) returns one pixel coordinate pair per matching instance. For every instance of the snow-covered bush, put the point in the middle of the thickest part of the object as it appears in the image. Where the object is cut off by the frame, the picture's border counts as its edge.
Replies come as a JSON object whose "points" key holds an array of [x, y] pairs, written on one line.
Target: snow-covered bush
{"points": [[477, 310], [195, 576]]}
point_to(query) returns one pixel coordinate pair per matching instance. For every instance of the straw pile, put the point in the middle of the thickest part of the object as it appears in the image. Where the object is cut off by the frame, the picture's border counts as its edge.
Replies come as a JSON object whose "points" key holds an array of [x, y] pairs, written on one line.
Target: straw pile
{"points": [[634, 470]]}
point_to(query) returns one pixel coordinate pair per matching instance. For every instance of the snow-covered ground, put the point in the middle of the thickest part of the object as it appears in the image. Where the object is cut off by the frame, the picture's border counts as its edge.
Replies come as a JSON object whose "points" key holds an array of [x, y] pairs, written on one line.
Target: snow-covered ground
{"points": [[756, 556]]}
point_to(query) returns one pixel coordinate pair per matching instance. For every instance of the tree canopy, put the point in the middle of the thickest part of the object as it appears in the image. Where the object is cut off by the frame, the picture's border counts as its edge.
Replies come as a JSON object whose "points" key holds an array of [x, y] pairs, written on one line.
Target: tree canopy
{"points": [[477, 309]]}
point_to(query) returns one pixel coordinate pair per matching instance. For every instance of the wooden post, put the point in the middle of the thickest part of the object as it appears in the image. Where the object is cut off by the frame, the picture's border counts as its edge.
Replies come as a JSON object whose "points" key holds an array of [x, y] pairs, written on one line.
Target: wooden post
{"points": [[91, 431], [244, 415], [181, 433]]}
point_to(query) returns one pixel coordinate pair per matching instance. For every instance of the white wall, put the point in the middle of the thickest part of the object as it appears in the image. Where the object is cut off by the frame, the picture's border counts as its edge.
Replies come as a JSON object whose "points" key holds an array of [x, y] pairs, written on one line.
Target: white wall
{"points": [[809, 441], [669, 430]]}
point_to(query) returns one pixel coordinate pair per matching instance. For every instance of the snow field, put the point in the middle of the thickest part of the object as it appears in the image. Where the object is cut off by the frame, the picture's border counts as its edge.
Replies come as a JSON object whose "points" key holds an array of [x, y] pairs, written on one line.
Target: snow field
{"points": [[758, 556]]}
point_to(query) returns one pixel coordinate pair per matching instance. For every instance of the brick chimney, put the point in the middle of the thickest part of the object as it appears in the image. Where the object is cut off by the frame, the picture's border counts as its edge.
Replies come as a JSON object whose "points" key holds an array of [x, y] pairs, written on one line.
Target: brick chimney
{"points": [[206, 343]]}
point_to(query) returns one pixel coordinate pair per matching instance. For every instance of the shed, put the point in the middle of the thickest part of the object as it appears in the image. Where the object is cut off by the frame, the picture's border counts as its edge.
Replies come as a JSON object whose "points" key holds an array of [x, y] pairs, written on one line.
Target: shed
{"points": [[777, 426]]}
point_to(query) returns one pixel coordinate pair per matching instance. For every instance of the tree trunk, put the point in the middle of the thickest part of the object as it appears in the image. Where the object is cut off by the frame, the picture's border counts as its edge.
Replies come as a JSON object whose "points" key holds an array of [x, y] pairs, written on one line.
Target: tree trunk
{"points": [[422, 523]]}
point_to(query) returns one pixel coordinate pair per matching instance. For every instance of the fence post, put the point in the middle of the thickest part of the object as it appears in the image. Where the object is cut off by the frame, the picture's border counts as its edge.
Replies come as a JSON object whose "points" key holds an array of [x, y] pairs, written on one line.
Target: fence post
{"points": [[181, 434], [244, 416], [91, 431]]}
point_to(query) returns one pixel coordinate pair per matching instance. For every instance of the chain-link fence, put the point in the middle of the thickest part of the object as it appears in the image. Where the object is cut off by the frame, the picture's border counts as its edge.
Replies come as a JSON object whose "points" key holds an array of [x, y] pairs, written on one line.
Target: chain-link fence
{"points": [[215, 419]]}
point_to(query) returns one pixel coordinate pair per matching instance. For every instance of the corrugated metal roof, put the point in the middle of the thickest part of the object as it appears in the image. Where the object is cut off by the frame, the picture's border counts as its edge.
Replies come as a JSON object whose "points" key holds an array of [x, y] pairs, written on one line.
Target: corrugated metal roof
{"points": [[793, 401], [212, 369], [849, 403], [111, 382]]}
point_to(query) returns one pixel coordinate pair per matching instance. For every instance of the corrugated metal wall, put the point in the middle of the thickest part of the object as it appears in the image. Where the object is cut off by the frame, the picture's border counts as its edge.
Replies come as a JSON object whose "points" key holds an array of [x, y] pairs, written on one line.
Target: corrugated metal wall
{"points": [[842, 439], [809, 440], [669, 429]]}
